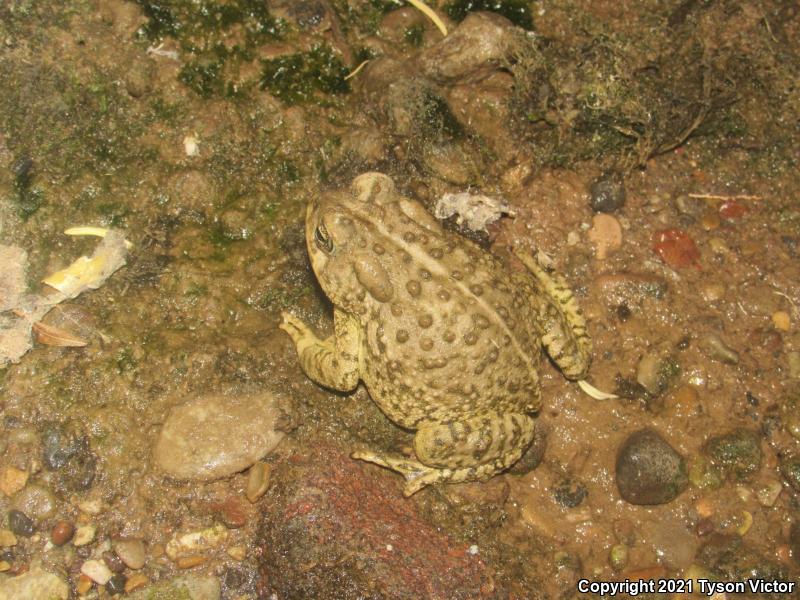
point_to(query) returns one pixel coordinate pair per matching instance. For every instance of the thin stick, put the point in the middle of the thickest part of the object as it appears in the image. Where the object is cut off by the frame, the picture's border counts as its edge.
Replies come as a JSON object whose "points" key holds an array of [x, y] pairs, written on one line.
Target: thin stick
{"points": [[426, 10], [721, 197], [356, 70]]}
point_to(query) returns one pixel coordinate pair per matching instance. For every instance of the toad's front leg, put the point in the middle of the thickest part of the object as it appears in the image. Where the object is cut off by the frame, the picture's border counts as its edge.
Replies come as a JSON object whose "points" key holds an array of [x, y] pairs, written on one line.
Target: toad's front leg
{"points": [[333, 362], [470, 450]]}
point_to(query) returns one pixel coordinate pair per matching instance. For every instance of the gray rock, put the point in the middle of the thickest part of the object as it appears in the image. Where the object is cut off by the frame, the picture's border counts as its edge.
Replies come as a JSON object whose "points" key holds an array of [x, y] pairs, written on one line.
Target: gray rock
{"points": [[737, 453], [34, 584], [215, 436], [649, 470], [477, 47], [607, 193]]}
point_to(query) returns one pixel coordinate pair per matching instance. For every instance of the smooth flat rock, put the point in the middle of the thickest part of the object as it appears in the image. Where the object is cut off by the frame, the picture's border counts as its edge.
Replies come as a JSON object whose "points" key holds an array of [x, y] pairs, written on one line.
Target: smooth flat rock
{"points": [[34, 584], [215, 436], [194, 587]]}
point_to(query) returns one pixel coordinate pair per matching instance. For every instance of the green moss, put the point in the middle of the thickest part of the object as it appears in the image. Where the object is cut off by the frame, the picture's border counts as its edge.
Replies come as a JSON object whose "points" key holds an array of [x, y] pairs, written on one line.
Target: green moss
{"points": [[737, 453], [297, 78], [436, 118], [516, 11]]}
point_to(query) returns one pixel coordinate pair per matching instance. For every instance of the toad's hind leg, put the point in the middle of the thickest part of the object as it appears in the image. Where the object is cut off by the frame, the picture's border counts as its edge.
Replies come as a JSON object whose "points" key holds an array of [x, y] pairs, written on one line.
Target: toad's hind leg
{"points": [[564, 327], [469, 450]]}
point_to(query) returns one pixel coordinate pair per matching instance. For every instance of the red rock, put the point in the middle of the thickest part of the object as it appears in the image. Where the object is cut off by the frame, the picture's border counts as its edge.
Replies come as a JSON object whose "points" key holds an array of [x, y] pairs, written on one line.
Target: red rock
{"points": [[343, 530], [676, 248], [732, 209]]}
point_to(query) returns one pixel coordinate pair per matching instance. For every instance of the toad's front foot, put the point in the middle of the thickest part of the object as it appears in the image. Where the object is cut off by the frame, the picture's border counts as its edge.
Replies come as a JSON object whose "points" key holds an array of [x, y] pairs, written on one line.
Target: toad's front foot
{"points": [[416, 474]]}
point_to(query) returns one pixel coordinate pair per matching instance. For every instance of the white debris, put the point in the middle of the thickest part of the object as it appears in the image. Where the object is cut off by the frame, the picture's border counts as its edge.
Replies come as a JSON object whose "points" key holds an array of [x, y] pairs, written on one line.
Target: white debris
{"points": [[475, 211]]}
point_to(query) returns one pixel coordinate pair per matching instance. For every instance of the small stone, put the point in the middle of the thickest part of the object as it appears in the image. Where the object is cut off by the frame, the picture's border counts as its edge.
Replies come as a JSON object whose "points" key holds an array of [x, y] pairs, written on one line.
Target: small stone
{"points": [[135, 581], [237, 552], [113, 561], [36, 501], [85, 583], [20, 523], [84, 535], [257, 481], [4, 566], [92, 507], [710, 220], [131, 551], [116, 585], [187, 544], [97, 571], [605, 234], [790, 469], [232, 512], [649, 470], [189, 562], [215, 436], [781, 320], [12, 480], [7, 538], [737, 453], [607, 193], [618, 557], [716, 349], [62, 533]]}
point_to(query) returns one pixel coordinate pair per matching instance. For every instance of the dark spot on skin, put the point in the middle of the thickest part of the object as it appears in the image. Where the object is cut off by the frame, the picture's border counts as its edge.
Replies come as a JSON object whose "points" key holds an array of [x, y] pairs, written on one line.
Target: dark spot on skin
{"points": [[479, 369], [471, 338], [378, 249], [506, 340], [457, 275], [425, 321], [396, 310], [444, 295], [449, 337], [402, 336], [476, 289], [361, 295], [502, 311], [437, 253], [426, 344], [362, 243], [425, 275], [409, 237], [434, 363], [493, 354], [413, 288], [423, 239], [481, 321]]}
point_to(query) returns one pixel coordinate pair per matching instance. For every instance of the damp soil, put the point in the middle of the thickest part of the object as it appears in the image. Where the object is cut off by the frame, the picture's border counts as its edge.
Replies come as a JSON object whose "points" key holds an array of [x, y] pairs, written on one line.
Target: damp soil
{"points": [[201, 130]]}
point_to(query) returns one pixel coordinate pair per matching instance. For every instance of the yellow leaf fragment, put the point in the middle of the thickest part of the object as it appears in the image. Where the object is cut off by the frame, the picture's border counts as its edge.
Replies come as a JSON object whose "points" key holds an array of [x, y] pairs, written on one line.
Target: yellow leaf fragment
{"points": [[53, 336], [592, 391], [91, 272], [426, 10]]}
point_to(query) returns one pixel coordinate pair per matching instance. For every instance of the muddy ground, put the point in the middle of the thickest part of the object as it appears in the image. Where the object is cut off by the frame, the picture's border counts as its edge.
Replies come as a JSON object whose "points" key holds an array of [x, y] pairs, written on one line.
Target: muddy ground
{"points": [[647, 150]]}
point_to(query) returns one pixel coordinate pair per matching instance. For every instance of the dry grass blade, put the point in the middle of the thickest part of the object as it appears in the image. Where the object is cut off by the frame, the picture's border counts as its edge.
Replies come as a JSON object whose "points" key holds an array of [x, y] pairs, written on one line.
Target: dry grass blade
{"points": [[53, 336], [594, 392], [428, 12]]}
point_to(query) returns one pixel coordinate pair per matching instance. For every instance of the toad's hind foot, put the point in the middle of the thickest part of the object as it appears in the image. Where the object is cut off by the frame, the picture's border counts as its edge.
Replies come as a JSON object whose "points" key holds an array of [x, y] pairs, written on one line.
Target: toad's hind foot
{"points": [[419, 476]]}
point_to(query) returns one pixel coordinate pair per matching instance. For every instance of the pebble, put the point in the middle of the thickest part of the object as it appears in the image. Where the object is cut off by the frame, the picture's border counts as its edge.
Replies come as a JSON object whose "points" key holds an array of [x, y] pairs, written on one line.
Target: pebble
{"points": [[781, 320], [135, 581], [194, 542], [790, 469], [232, 512], [605, 234], [649, 470], [711, 292], [34, 584], [36, 501], [737, 452], [257, 481], [192, 587], [793, 362], [7, 538], [618, 557], [20, 523], [237, 552], [62, 533], [84, 535], [215, 436], [116, 585], [713, 346], [131, 551], [97, 571], [607, 193], [113, 561], [85, 583], [189, 562], [12, 480]]}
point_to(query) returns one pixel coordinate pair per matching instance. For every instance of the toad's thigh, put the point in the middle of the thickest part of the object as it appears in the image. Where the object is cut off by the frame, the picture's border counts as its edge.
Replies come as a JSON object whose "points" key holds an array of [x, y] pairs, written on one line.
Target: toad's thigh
{"points": [[483, 439]]}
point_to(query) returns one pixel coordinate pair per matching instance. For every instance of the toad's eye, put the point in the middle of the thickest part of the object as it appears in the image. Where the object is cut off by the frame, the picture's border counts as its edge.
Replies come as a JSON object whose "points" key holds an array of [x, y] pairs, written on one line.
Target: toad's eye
{"points": [[322, 239]]}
